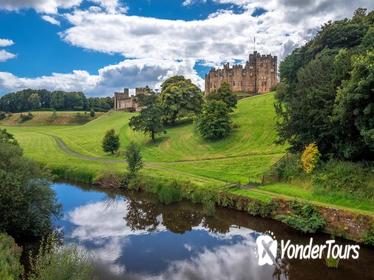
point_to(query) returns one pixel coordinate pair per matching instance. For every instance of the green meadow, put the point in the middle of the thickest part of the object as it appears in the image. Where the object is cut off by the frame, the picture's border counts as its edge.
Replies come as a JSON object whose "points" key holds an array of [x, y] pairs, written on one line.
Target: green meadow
{"points": [[74, 152]]}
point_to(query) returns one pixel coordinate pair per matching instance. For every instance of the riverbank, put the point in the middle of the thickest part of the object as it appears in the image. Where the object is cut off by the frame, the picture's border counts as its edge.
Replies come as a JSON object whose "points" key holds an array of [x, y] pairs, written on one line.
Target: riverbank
{"points": [[231, 168]]}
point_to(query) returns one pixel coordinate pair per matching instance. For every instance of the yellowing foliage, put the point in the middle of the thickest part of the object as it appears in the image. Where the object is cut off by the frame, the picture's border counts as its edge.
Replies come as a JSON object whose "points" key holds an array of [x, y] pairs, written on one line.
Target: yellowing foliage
{"points": [[310, 158]]}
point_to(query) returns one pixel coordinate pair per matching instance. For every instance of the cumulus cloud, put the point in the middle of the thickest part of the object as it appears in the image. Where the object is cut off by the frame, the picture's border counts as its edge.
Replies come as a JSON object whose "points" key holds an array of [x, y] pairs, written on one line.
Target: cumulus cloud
{"points": [[51, 20], [4, 55], [128, 73], [76, 81], [43, 6], [158, 48], [6, 42]]}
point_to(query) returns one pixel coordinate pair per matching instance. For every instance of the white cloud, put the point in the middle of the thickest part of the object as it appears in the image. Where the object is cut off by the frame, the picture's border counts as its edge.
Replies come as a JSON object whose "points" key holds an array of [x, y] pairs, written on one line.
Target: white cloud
{"points": [[4, 55], [128, 73], [6, 42], [111, 6], [76, 81], [42, 6], [51, 20], [159, 48]]}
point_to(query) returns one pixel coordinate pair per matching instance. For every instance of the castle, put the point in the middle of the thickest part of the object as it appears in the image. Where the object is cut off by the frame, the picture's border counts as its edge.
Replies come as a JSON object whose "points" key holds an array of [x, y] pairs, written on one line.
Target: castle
{"points": [[123, 100], [259, 75]]}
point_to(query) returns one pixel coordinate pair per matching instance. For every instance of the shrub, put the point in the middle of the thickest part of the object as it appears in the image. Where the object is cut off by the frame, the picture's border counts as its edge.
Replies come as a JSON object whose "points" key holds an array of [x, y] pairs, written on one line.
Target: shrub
{"points": [[304, 218], [263, 209], [110, 142], [133, 158], [2, 115], [55, 262], [170, 193], [10, 254], [310, 158], [92, 113], [369, 236], [25, 118], [345, 178], [214, 122], [80, 118], [289, 168], [7, 138]]}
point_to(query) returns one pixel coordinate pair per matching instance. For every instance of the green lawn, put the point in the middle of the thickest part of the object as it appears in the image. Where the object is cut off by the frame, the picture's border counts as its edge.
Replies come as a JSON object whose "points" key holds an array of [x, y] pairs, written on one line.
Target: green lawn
{"points": [[181, 154]]}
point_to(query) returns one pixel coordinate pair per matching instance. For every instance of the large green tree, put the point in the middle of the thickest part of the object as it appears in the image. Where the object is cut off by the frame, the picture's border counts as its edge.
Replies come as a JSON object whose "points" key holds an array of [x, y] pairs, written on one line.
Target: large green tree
{"points": [[225, 94], [325, 94], [214, 122], [27, 203], [111, 142], [149, 121], [179, 97]]}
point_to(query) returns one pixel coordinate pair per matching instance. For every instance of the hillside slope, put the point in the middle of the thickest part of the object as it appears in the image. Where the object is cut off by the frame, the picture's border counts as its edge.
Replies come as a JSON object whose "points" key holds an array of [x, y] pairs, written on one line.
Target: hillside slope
{"points": [[243, 156]]}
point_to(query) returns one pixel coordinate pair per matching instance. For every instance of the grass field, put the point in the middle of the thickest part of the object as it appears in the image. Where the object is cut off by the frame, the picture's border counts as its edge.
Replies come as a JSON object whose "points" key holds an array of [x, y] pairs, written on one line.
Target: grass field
{"points": [[180, 154]]}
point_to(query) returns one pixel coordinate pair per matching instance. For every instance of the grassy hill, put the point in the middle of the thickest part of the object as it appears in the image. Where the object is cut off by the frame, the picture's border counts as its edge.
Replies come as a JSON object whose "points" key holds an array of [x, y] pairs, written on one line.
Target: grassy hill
{"points": [[75, 152], [242, 157], [49, 118]]}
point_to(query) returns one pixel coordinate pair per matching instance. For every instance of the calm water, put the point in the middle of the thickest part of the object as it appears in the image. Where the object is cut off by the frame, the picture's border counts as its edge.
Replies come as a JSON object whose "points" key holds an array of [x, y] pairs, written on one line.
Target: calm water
{"points": [[133, 236]]}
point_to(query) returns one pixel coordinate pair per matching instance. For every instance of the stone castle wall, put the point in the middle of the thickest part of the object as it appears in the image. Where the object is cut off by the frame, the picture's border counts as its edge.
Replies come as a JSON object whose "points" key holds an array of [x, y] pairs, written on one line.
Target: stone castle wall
{"points": [[258, 75]]}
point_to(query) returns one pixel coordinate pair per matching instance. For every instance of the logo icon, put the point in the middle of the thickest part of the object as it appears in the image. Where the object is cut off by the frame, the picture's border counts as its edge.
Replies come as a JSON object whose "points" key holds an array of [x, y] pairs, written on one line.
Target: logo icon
{"points": [[267, 248]]}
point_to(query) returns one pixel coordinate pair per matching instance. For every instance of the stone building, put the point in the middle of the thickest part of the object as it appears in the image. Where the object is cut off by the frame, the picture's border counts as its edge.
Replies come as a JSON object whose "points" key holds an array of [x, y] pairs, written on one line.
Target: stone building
{"points": [[123, 100], [258, 75]]}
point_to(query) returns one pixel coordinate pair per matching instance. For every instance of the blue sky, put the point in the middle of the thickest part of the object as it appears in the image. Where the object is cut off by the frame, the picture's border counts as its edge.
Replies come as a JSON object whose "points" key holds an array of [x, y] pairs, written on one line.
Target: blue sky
{"points": [[99, 46]]}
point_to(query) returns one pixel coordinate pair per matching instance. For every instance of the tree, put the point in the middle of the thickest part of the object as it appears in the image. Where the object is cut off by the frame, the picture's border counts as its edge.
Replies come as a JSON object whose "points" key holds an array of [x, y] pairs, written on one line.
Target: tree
{"points": [[179, 97], [27, 203], [224, 94], [325, 95], [354, 109], [214, 122], [149, 120], [111, 142], [92, 113], [133, 158]]}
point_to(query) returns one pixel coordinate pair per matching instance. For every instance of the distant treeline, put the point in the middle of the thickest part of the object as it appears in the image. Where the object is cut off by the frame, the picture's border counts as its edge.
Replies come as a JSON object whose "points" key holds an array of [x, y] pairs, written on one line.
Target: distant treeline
{"points": [[38, 100]]}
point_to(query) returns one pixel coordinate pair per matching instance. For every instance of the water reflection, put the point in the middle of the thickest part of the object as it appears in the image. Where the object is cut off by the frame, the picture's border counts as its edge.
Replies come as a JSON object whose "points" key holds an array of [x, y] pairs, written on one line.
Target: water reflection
{"points": [[135, 237]]}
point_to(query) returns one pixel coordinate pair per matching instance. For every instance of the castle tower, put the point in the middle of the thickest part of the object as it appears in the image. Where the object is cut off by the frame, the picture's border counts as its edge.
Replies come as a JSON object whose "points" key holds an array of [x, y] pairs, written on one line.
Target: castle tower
{"points": [[259, 75]]}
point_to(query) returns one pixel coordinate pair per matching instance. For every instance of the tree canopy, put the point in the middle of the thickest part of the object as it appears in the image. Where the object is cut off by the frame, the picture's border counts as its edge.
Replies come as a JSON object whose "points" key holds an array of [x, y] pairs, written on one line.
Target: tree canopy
{"points": [[326, 90], [179, 97], [214, 122], [224, 94], [30, 99], [149, 121]]}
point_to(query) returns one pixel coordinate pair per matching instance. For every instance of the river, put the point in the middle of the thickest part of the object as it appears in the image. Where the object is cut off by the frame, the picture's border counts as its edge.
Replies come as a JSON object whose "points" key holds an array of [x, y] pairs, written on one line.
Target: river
{"points": [[133, 236]]}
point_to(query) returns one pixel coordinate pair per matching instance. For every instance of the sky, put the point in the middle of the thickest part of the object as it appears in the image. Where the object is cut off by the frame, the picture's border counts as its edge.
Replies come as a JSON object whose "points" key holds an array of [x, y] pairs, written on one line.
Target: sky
{"points": [[102, 46]]}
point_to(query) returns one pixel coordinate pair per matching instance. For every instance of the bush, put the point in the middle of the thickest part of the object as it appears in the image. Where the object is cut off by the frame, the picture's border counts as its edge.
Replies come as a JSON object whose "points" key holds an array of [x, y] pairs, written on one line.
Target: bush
{"points": [[110, 142], [2, 115], [345, 178], [27, 203], [133, 158], [369, 236], [310, 158], [10, 254], [55, 262], [92, 113], [24, 118], [214, 122], [304, 218], [289, 168], [170, 193], [258, 208]]}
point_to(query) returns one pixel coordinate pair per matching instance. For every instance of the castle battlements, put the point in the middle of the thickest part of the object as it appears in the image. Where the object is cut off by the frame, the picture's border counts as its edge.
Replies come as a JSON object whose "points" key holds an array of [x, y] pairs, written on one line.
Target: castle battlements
{"points": [[258, 75]]}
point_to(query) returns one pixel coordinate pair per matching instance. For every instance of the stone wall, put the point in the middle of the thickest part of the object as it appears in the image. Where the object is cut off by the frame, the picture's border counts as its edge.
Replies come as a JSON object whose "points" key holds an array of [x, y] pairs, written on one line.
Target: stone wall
{"points": [[258, 75]]}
